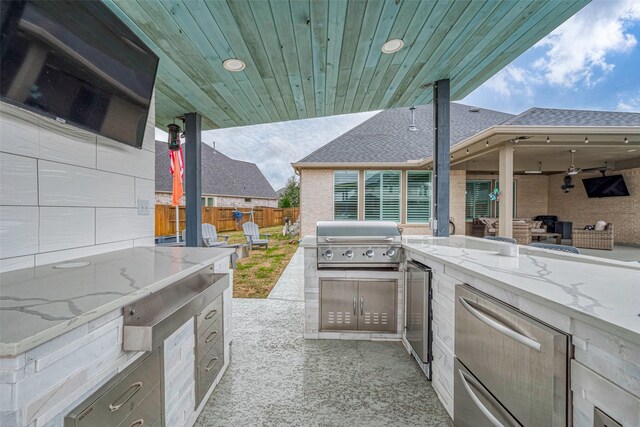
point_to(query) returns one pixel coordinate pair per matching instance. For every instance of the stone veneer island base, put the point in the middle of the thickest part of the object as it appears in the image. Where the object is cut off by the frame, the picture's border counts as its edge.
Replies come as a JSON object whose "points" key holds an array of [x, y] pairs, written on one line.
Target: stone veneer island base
{"points": [[62, 333]]}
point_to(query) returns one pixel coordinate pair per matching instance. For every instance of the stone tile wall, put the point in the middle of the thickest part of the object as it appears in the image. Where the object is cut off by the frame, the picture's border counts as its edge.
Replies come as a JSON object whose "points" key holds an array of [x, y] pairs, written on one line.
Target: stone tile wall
{"points": [[63, 188]]}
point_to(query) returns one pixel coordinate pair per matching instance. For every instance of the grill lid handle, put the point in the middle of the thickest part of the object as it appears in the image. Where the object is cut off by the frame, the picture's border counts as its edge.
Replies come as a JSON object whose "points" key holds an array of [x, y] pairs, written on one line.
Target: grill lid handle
{"points": [[357, 239]]}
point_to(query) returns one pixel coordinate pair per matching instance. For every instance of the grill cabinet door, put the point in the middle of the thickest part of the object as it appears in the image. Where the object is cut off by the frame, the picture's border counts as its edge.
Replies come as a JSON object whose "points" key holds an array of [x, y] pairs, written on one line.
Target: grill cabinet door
{"points": [[377, 305], [338, 305]]}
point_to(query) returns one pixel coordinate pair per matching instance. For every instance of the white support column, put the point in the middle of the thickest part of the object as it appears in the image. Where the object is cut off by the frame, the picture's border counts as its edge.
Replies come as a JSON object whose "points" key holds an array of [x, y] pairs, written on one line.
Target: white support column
{"points": [[506, 190]]}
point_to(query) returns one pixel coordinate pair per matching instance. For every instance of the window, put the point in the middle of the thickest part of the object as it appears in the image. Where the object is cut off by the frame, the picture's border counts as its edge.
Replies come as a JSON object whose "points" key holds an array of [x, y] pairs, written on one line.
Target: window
{"points": [[247, 199], [477, 199], [345, 195], [418, 197], [210, 201], [382, 195]]}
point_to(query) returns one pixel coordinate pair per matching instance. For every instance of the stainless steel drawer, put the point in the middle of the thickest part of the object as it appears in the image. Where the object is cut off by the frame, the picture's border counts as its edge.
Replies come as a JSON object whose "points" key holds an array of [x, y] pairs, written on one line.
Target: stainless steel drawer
{"points": [[147, 412], [208, 338], [116, 400], [210, 314], [522, 361], [474, 406], [209, 366]]}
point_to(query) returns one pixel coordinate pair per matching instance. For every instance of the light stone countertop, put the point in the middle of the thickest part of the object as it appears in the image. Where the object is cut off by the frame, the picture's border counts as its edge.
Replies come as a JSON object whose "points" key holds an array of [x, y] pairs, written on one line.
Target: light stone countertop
{"points": [[41, 303], [601, 292]]}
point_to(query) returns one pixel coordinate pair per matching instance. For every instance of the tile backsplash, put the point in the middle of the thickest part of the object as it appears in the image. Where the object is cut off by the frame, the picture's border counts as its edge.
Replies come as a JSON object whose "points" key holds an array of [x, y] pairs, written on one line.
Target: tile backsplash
{"points": [[66, 192]]}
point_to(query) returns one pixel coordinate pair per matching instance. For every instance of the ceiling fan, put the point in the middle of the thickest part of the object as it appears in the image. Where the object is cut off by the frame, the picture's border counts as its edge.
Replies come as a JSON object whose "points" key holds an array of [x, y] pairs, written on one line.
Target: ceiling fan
{"points": [[573, 170]]}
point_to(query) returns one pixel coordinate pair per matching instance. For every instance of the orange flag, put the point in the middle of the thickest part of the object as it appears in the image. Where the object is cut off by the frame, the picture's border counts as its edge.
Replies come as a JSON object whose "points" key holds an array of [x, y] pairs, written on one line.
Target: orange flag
{"points": [[177, 178]]}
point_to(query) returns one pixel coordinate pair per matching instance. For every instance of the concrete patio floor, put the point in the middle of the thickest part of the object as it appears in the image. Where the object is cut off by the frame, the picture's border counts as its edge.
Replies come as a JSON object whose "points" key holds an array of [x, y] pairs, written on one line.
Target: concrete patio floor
{"points": [[276, 377]]}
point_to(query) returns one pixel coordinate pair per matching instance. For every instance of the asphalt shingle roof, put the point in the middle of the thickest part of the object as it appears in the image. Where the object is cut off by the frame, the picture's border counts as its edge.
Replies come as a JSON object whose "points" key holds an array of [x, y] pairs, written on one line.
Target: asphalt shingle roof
{"points": [[556, 117], [221, 175], [386, 138]]}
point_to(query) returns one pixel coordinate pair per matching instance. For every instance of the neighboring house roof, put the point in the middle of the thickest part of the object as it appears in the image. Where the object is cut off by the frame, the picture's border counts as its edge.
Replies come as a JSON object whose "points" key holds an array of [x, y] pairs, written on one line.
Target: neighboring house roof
{"points": [[281, 191], [385, 137], [221, 175], [556, 117]]}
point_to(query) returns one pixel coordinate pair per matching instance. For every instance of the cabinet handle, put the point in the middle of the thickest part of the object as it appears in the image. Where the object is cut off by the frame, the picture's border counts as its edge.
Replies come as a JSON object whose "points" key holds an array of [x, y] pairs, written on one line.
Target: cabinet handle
{"points": [[210, 314], [210, 365], [354, 306], [499, 327], [211, 336], [137, 386], [137, 423], [361, 306]]}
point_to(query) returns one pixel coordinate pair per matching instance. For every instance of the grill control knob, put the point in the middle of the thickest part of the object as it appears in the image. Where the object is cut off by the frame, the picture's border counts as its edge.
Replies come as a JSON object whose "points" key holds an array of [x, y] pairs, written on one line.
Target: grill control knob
{"points": [[328, 254], [369, 253], [391, 252], [349, 253]]}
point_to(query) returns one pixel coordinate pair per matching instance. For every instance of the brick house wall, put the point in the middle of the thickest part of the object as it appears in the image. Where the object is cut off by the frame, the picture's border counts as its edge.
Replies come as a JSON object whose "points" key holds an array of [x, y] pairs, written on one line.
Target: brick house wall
{"points": [[622, 212], [316, 201], [224, 201]]}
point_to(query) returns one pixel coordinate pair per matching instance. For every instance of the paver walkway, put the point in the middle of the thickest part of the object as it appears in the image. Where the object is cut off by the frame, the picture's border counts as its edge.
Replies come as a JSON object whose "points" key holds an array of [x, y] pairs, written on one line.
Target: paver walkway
{"points": [[276, 377]]}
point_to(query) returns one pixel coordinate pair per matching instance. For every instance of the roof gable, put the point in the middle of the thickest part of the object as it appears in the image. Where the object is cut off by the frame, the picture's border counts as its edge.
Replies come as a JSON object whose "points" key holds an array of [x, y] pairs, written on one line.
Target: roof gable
{"points": [[385, 137], [221, 175]]}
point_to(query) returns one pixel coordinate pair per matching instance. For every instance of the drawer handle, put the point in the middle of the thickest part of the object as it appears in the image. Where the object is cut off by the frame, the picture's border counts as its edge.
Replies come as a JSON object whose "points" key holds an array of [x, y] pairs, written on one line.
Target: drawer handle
{"points": [[211, 364], [210, 314], [137, 423], [361, 306], [211, 336], [466, 379], [494, 324], [135, 387]]}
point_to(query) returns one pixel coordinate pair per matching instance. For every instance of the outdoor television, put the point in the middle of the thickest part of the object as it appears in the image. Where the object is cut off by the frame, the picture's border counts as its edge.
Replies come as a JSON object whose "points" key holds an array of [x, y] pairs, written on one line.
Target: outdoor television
{"points": [[606, 186], [76, 62]]}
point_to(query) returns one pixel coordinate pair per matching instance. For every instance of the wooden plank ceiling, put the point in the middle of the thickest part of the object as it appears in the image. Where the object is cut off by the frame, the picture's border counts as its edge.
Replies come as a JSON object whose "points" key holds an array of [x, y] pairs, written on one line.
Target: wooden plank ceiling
{"points": [[311, 58]]}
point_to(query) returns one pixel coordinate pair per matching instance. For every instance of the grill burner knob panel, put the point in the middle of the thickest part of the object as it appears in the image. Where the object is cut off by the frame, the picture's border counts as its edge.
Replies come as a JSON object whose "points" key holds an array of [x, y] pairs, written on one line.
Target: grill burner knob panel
{"points": [[391, 252], [369, 253], [349, 254], [328, 254]]}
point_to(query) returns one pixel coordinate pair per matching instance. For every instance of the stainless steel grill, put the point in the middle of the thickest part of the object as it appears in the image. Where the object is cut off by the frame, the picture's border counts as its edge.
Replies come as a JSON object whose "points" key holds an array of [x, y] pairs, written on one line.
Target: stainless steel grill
{"points": [[349, 244]]}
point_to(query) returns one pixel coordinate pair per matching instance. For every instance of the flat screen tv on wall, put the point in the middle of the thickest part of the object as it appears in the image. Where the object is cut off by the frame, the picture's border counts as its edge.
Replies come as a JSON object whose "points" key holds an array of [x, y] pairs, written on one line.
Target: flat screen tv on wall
{"points": [[606, 186], [76, 62]]}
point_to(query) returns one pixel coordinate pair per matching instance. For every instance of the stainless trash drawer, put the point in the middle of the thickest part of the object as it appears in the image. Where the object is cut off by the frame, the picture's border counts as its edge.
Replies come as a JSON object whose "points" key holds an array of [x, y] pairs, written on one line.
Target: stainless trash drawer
{"points": [[209, 366], [474, 406], [209, 314], [521, 360], [208, 338], [116, 400], [147, 412]]}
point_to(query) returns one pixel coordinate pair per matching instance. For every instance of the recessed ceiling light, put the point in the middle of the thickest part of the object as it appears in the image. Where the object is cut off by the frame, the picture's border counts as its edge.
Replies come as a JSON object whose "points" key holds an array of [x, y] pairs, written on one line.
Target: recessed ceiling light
{"points": [[392, 46], [233, 64]]}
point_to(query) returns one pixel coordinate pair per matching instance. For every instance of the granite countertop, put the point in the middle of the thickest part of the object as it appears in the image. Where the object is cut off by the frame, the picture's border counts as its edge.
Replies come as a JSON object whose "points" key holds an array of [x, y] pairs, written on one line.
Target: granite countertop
{"points": [[604, 293], [41, 303]]}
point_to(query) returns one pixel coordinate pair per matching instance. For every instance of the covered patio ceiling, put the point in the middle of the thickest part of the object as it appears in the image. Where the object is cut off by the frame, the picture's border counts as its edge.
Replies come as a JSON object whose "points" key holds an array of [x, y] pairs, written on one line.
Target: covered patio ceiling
{"points": [[316, 58]]}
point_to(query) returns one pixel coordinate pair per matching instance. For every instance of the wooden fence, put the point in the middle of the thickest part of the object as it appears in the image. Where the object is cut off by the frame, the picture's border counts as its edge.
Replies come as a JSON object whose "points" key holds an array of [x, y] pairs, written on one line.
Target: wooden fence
{"points": [[222, 218]]}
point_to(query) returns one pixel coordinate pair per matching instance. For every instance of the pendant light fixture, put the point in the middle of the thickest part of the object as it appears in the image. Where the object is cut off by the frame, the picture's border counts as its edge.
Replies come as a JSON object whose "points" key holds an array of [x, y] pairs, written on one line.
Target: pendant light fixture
{"points": [[174, 136], [412, 126]]}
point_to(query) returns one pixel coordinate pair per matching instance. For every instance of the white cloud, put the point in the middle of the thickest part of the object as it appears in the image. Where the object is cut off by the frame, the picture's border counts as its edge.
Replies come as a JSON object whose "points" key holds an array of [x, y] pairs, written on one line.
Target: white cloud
{"points": [[274, 146], [577, 50], [513, 81], [630, 103]]}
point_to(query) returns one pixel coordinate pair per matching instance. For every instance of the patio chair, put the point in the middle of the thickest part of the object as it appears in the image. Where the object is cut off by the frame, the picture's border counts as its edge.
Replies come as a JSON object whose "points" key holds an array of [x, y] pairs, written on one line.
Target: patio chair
{"points": [[561, 248], [501, 239], [254, 238], [594, 239], [522, 232], [210, 236]]}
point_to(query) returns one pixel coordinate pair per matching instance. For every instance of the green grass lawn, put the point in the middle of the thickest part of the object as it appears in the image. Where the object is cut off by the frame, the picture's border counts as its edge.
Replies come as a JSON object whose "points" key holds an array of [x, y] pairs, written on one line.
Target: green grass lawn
{"points": [[256, 275]]}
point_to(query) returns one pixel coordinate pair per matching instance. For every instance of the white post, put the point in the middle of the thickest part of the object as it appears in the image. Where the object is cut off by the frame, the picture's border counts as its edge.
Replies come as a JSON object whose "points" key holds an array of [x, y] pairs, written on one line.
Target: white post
{"points": [[178, 224], [506, 190]]}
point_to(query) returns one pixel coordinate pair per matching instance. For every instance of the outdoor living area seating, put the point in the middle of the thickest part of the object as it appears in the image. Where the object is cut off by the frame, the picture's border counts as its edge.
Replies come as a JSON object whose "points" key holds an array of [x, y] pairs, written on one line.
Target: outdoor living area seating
{"points": [[254, 237], [524, 230], [594, 239]]}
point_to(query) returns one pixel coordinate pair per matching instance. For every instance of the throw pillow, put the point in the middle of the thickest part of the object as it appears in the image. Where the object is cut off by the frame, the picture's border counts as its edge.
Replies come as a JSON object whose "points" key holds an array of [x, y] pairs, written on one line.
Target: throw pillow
{"points": [[600, 226], [537, 224], [589, 227]]}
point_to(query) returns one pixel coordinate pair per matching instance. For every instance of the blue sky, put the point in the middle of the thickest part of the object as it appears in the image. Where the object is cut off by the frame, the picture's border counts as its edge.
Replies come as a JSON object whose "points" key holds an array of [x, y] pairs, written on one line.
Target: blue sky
{"points": [[592, 61]]}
